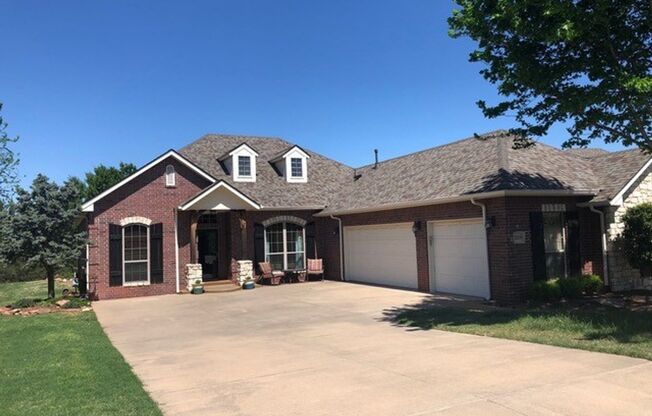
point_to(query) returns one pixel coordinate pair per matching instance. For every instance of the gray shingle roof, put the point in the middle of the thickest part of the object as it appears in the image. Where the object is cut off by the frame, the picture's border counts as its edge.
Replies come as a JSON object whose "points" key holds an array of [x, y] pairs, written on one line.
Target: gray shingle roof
{"points": [[469, 166], [325, 176]]}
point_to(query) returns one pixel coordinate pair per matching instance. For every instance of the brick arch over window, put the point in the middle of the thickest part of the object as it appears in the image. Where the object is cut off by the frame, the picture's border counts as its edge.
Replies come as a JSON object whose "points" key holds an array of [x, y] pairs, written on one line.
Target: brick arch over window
{"points": [[284, 218], [135, 220]]}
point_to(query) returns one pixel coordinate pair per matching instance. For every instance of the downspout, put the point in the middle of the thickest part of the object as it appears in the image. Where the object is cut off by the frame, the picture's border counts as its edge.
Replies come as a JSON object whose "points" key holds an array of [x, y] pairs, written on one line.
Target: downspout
{"points": [[603, 233], [176, 247], [339, 220], [486, 237]]}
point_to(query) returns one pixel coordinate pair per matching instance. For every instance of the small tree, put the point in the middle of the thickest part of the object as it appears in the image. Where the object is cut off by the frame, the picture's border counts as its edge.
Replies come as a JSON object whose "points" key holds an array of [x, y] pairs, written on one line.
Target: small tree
{"points": [[8, 162], [637, 237], [43, 225]]}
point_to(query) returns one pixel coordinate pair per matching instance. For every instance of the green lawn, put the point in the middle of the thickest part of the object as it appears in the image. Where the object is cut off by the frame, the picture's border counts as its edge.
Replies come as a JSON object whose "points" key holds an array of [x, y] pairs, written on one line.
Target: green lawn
{"points": [[590, 327], [37, 289], [63, 364]]}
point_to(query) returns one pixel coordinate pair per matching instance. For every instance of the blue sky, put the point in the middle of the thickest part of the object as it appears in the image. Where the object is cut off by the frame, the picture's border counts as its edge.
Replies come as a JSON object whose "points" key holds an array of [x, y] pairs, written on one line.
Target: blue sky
{"points": [[89, 82]]}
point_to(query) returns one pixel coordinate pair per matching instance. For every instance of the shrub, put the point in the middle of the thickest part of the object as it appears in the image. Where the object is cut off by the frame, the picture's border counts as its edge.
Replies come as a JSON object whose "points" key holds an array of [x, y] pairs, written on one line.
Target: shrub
{"points": [[592, 284], [74, 303], [545, 290], [637, 237], [571, 288], [24, 303]]}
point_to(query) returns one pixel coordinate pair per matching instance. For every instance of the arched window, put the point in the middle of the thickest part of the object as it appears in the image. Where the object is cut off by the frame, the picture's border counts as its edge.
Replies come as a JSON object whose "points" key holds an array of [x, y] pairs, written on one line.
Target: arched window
{"points": [[135, 253], [170, 179], [285, 246]]}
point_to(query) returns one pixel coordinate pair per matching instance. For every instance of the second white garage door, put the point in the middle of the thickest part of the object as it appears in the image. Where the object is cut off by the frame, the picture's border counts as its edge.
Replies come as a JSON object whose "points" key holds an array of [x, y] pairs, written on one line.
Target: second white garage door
{"points": [[381, 254], [458, 258]]}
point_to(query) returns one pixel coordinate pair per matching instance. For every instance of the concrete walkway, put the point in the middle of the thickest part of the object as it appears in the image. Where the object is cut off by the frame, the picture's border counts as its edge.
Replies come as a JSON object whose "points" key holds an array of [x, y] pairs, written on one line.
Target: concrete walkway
{"points": [[326, 349]]}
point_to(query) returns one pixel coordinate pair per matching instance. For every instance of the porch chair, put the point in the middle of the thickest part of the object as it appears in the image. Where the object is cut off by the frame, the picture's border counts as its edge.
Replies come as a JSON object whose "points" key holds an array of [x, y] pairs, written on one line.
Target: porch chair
{"points": [[275, 276], [315, 267]]}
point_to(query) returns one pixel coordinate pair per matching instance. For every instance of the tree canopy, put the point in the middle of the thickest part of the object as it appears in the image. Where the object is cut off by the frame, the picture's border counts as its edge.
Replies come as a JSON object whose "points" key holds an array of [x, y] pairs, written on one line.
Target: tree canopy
{"points": [[587, 63], [103, 177], [8, 162], [43, 226]]}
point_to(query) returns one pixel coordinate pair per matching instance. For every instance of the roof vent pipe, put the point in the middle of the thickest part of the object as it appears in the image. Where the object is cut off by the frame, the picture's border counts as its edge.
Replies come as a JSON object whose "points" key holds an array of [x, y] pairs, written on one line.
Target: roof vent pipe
{"points": [[376, 158]]}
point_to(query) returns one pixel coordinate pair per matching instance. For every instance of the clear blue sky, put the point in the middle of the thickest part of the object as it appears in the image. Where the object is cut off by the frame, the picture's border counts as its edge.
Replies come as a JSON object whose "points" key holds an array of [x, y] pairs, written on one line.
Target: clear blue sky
{"points": [[89, 82]]}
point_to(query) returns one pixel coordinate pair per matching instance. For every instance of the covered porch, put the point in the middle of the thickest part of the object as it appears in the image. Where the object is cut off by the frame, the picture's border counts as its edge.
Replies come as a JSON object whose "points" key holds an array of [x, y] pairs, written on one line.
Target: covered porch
{"points": [[222, 232]]}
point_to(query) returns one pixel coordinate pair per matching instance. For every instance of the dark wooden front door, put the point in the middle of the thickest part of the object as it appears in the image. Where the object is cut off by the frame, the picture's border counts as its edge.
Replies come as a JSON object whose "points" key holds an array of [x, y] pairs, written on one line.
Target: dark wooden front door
{"points": [[207, 252]]}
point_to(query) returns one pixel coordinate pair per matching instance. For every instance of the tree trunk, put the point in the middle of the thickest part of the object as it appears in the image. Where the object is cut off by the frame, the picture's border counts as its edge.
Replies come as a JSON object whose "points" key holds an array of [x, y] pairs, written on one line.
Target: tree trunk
{"points": [[49, 272]]}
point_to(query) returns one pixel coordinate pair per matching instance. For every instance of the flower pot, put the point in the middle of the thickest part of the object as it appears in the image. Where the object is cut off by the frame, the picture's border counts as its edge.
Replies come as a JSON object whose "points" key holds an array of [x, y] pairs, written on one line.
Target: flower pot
{"points": [[197, 290], [248, 285]]}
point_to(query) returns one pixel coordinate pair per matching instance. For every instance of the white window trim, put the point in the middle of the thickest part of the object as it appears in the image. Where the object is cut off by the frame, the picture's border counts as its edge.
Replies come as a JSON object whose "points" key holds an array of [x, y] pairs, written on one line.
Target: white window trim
{"points": [[124, 276], [285, 252], [235, 163], [170, 177], [304, 168]]}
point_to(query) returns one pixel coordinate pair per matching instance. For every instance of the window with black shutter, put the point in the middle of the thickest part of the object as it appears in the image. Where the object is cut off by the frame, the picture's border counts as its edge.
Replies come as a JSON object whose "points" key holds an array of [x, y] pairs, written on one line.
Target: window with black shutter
{"points": [[156, 253], [115, 255], [311, 247], [259, 243]]}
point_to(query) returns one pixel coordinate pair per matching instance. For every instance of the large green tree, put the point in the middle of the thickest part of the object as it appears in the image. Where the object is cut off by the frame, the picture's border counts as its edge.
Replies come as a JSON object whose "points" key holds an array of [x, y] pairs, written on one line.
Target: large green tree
{"points": [[103, 177], [8, 162], [43, 224], [587, 63]]}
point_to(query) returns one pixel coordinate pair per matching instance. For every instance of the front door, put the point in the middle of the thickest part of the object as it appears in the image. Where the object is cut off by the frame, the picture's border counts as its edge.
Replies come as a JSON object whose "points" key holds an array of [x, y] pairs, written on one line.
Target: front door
{"points": [[207, 251]]}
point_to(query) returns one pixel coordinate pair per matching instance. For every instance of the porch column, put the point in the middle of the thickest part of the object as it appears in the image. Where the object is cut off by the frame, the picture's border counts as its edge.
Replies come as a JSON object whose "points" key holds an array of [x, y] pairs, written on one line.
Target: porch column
{"points": [[193, 236], [237, 228]]}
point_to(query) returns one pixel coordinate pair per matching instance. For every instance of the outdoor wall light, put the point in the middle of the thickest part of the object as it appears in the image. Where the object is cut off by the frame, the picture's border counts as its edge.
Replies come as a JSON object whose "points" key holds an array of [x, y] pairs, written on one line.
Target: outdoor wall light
{"points": [[416, 226], [490, 222]]}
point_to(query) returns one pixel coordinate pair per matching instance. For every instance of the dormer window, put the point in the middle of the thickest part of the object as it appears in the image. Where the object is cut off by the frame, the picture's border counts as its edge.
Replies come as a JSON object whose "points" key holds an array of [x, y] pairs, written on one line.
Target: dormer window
{"points": [[293, 164], [296, 167], [244, 166], [241, 163]]}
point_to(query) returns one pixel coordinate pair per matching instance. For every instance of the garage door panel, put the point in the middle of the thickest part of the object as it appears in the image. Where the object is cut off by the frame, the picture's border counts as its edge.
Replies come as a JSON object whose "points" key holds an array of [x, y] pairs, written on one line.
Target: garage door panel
{"points": [[459, 256], [383, 255]]}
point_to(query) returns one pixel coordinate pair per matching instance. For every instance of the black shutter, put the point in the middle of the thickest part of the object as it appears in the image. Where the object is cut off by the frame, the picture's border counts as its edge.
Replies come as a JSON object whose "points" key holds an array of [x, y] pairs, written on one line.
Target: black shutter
{"points": [[538, 248], [115, 255], [573, 244], [311, 248], [156, 253], [259, 243]]}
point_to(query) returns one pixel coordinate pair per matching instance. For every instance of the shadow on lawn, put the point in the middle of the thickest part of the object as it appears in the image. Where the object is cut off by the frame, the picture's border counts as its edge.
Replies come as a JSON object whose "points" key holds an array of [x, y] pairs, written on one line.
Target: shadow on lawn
{"points": [[581, 320]]}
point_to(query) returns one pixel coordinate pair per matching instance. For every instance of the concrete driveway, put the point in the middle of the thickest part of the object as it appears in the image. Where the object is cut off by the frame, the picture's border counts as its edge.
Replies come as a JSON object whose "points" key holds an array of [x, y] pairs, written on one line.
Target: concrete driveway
{"points": [[325, 349]]}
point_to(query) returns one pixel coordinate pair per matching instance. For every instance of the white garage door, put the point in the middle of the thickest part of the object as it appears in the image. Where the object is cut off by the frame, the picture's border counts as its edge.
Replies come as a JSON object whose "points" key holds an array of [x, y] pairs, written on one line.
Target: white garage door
{"points": [[458, 258], [381, 254]]}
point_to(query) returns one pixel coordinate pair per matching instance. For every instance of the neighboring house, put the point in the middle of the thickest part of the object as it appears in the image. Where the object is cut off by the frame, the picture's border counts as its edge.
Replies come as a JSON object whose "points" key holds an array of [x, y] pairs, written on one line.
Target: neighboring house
{"points": [[473, 217]]}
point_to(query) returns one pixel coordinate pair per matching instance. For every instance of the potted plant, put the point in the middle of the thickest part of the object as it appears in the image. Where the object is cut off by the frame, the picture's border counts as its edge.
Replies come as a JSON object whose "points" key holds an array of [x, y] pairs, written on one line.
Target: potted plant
{"points": [[197, 287], [248, 284]]}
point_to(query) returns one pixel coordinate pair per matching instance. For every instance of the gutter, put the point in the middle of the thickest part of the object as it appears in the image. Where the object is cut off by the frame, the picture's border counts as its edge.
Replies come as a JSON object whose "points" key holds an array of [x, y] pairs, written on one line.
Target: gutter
{"points": [[603, 233], [176, 247], [486, 236], [339, 220]]}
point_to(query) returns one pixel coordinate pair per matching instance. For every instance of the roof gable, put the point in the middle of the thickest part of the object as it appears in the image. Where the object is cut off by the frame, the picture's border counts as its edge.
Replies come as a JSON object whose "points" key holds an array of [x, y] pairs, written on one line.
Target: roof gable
{"points": [[88, 206]]}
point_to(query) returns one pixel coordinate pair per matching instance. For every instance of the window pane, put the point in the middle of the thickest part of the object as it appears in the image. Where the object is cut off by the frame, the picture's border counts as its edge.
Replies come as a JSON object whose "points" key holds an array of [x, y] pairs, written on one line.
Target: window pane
{"points": [[244, 166], [297, 167], [553, 232], [276, 260], [295, 237], [295, 261], [135, 242], [136, 272], [274, 237]]}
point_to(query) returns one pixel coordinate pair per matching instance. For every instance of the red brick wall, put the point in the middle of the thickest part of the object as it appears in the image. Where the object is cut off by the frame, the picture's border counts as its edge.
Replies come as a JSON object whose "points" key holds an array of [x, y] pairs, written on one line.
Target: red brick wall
{"points": [[148, 197], [520, 267]]}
